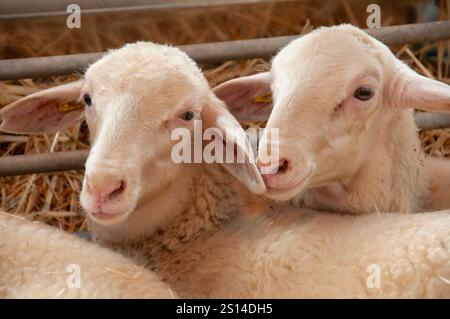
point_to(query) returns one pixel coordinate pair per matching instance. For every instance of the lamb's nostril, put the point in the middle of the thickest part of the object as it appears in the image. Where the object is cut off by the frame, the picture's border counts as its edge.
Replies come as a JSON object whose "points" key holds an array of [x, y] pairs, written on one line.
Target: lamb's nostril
{"points": [[119, 190], [283, 167]]}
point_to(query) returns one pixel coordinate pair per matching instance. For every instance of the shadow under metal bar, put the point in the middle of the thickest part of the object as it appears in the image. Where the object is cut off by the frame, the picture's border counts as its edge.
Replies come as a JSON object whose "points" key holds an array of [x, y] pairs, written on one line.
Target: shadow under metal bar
{"points": [[216, 52]]}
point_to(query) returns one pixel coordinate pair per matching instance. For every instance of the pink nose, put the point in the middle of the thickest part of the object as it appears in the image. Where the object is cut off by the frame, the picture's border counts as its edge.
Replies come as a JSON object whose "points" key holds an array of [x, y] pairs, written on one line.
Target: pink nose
{"points": [[105, 186]]}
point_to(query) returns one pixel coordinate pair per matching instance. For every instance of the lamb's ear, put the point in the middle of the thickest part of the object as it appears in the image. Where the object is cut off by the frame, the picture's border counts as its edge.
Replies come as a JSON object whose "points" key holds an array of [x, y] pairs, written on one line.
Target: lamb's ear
{"points": [[248, 98], [238, 157], [46, 111], [412, 90]]}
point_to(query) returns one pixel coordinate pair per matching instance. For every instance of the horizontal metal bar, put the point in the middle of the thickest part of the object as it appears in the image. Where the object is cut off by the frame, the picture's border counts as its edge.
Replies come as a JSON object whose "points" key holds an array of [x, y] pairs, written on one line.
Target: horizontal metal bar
{"points": [[42, 163], [432, 120], [216, 52], [23, 9], [74, 160]]}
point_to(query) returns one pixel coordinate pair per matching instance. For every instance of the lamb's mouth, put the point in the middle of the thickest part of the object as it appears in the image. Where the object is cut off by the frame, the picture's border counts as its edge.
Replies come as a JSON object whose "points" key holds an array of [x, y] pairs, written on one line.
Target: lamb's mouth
{"points": [[287, 192], [103, 218], [102, 215]]}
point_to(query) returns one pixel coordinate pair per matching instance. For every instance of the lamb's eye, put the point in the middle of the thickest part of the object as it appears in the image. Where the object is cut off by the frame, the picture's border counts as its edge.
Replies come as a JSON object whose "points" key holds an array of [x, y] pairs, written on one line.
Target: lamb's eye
{"points": [[363, 93], [87, 99], [189, 115]]}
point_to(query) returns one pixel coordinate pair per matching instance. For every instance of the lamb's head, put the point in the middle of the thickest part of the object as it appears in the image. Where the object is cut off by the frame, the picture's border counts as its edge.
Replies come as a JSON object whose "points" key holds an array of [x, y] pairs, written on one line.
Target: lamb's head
{"points": [[134, 99], [335, 91]]}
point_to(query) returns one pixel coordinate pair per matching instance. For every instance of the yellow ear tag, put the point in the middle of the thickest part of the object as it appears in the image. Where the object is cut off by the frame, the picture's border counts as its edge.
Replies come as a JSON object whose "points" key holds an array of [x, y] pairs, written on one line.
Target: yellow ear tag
{"points": [[265, 98], [69, 107]]}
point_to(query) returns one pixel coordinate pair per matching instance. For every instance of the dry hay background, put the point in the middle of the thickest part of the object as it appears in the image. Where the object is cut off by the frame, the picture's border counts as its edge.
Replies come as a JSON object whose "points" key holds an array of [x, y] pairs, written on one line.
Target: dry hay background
{"points": [[53, 198]]}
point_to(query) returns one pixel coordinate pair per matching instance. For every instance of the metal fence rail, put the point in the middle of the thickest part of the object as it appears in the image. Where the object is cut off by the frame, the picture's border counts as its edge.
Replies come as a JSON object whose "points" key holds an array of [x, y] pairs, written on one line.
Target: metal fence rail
{"points": [[23, 9], [42, 163], [216, 52], [432, 120]]}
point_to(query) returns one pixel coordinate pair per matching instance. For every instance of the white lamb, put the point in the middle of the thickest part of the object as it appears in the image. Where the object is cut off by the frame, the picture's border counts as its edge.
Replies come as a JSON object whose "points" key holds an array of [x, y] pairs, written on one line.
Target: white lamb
{"points": [[347, 137], [37, 261], [196, 225]]}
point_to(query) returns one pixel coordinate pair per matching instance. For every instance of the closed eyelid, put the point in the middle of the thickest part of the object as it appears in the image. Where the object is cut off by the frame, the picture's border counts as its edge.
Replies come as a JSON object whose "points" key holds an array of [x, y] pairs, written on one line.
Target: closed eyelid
{"points": [[188, 109]]}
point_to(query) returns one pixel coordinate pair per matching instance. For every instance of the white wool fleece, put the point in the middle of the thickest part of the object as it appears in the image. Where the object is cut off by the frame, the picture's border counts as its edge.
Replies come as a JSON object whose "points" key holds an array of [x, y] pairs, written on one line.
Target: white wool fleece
{"points": [[37, 261]]}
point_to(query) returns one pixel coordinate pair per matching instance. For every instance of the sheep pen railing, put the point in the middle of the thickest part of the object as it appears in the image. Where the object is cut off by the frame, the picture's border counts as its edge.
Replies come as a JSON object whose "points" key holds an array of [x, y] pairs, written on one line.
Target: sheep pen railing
{"points": [[217, 52]]}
